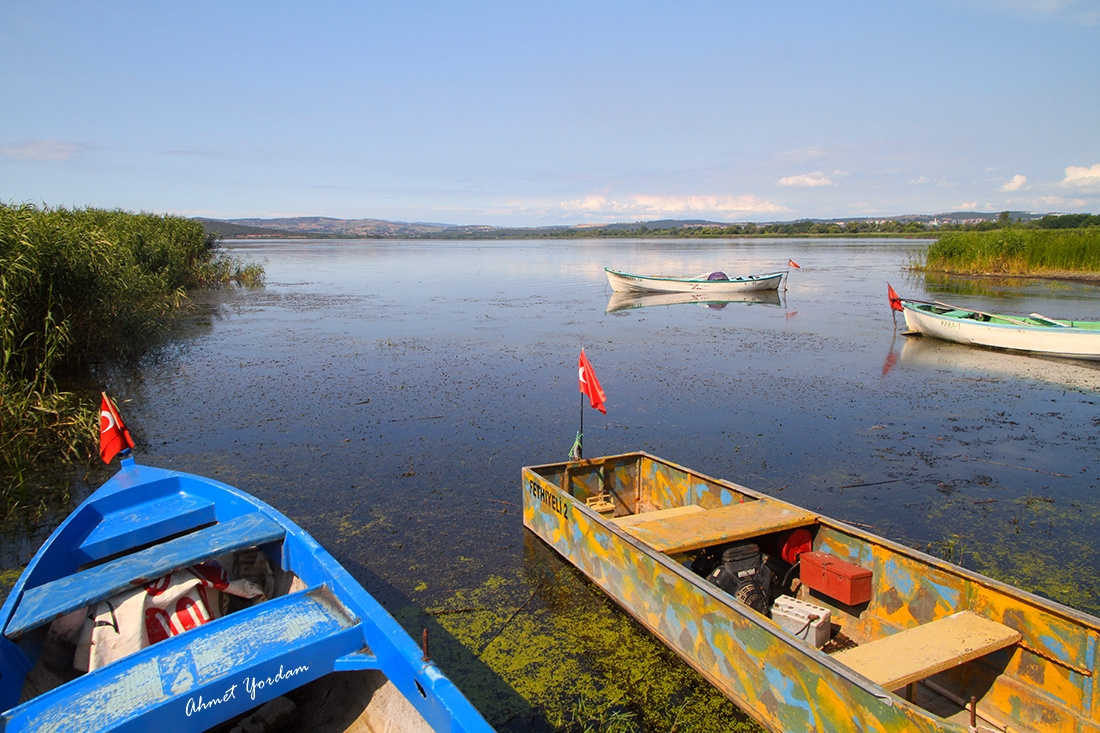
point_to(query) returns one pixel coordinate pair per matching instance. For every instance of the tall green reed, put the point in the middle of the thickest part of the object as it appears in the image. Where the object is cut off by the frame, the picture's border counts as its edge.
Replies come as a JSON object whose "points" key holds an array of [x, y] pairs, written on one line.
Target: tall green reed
{"points": [[78, 286], [1014, 251]]}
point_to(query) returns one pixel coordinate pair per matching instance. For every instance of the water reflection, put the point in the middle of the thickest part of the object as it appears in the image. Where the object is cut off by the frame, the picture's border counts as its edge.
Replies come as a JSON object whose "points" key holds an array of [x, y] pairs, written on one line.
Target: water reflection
{"points": [[928, 354], [621, 301], [1003, 290]]}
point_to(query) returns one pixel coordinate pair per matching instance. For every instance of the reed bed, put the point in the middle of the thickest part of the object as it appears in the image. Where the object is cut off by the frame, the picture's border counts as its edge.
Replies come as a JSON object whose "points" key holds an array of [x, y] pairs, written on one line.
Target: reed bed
{"points": [[78, 286], [1013, 251]]}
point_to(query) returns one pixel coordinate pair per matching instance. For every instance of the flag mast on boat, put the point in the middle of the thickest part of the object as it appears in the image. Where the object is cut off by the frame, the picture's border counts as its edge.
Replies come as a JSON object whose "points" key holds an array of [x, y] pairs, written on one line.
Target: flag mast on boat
{"points": [[114, 438], [895, 303], [589, 386]]}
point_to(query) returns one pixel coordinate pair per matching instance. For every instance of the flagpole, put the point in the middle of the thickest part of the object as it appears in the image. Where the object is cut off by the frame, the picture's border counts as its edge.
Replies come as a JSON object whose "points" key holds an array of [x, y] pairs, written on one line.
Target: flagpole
{"points": [[578, 447], [590, 388], [580, 441]]}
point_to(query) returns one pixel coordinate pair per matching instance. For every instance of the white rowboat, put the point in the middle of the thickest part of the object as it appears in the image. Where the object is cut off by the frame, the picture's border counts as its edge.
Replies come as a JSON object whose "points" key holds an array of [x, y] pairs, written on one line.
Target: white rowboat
{"points": [[1034, 333], [712, 283]]}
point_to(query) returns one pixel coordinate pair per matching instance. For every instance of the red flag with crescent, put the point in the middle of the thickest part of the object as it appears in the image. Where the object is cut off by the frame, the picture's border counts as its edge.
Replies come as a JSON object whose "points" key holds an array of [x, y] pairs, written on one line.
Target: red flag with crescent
{"points": [[590, 385], [113, 435], [793, 264], [895, 301]]}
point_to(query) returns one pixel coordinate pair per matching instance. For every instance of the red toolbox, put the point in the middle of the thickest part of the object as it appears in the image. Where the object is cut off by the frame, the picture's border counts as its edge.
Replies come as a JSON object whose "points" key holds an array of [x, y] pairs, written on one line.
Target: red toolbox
{"points": [[850, 584]]}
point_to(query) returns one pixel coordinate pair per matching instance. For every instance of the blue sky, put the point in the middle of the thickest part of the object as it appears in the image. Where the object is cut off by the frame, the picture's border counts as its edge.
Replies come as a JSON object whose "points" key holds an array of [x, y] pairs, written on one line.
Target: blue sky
{"points": [[523, 114]]}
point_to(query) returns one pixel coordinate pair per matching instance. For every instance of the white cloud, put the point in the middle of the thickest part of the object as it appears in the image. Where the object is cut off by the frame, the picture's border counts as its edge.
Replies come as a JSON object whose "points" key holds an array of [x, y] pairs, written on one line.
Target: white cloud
{"points": [[1015, 184], [1057, 202], [646, 205], [966, 206], [1082, 178], [807, 180], [42, 150]]}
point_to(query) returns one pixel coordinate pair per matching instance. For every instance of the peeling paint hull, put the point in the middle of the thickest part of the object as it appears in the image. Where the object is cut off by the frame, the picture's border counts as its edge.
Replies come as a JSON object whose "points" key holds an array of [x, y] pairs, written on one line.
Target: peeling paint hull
{"points": [[1039, 676]]}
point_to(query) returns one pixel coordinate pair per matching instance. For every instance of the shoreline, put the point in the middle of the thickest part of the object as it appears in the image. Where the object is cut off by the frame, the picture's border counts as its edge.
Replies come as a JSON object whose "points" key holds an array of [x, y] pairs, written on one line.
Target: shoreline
{"points": [[1092, 278]]}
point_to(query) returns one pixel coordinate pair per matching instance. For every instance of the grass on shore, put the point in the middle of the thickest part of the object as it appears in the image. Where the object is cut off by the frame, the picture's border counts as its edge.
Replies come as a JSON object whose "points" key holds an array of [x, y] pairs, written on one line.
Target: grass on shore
{"points": [[78, 286], [1021, 252]]}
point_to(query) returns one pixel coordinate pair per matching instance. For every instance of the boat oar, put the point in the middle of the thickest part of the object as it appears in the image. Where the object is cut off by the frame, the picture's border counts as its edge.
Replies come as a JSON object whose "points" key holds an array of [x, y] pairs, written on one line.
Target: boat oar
{"points": [[1051, 321], [983, 313]]}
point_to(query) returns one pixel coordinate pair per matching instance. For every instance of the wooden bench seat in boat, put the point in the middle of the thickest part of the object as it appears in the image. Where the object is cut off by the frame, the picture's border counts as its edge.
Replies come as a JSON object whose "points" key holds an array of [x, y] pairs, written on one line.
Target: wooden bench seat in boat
{"points": [[914, 654], [137, 525], [42, 604], [300, 636], [684, 530], [676, 511]]}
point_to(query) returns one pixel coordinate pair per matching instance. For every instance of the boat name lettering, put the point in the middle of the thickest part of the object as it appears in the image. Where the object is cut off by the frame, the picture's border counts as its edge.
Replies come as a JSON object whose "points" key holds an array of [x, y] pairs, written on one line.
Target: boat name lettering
{"points": [[950, 324], [198, 705], [252, 685], [549, 499]]}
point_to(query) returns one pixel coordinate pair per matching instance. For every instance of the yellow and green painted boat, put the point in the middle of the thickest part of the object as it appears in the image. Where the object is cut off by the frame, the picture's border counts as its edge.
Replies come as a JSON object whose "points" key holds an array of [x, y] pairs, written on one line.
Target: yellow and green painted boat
{"points": [[826, 627]]}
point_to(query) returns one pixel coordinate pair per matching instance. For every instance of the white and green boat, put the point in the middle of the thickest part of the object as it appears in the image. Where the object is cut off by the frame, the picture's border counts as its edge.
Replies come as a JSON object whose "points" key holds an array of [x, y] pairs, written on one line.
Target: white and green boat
{"points": [[1033, 333]]}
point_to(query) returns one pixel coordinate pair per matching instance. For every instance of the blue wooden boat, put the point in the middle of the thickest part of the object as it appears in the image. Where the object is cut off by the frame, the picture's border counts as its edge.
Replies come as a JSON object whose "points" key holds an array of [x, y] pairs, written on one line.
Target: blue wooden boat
{"points": [[146, 523]]}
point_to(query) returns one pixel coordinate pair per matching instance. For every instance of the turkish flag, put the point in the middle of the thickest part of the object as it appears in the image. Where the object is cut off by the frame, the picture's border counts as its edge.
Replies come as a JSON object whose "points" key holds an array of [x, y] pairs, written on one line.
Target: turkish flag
{"points": [[113, 435], [590, 385], [793, 264], [895, 301]]}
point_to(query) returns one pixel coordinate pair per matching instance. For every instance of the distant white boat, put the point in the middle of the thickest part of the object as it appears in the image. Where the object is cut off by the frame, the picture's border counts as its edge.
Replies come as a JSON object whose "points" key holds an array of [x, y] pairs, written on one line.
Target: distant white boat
{"points": [[1035, 333], [711, 283]]}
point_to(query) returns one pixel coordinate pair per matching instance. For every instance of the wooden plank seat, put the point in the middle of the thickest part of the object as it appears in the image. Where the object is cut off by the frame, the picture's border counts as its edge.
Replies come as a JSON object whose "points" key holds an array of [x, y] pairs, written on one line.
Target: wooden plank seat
{"points": [[42, 604], [631, 519], [914, 654], [137, 525], [263, 650], [691, 530]]}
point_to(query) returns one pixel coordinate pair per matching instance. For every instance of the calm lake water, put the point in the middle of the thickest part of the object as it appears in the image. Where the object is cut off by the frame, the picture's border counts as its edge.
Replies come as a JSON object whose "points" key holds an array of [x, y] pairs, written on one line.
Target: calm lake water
{"points": [[385, 394]]}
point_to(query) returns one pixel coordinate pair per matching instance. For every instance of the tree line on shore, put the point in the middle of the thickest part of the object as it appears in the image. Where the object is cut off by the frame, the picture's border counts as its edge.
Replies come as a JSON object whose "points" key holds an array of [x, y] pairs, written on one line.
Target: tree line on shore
{"points": [[79, 286], [855, 227]]}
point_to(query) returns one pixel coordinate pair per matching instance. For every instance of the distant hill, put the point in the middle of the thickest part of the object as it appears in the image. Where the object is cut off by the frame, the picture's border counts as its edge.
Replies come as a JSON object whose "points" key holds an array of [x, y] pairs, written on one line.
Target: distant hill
{"points": [[321, 226], [324, 227], [232, 230]]}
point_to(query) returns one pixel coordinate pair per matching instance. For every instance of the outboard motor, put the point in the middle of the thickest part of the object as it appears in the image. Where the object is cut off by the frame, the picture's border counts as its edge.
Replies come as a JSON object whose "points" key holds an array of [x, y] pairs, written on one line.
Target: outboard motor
{"points": [[745, 575]]}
